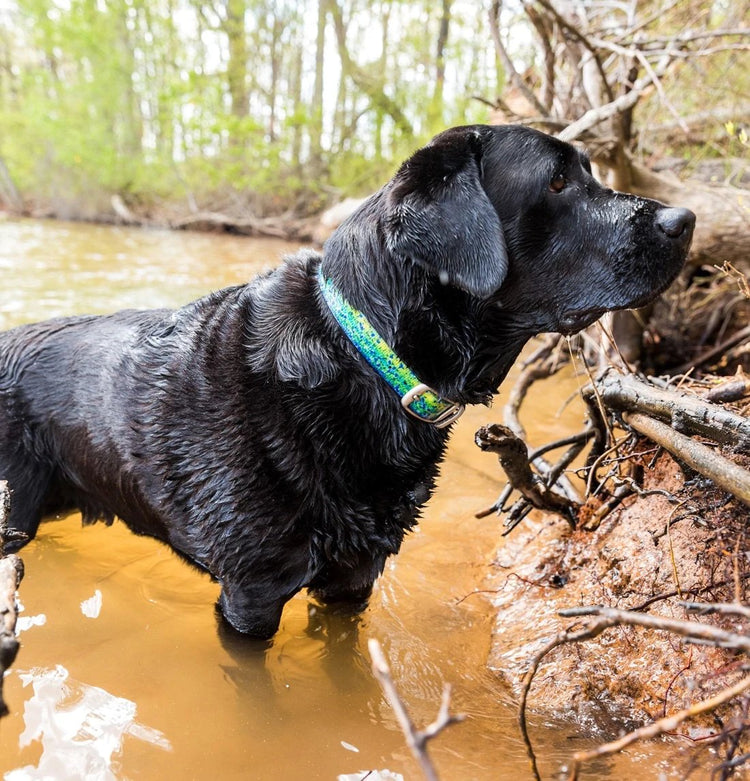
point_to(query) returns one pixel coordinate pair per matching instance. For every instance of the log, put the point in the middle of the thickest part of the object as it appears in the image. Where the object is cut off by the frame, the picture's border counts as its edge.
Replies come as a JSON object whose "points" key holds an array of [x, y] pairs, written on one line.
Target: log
{"points": [[726, 474], [11, 572], [721, 229], [684, 412]]}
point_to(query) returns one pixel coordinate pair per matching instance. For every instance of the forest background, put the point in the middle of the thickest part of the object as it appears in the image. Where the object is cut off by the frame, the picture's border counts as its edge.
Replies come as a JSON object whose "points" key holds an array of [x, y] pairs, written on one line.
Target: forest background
{"points": [[281, 107]]}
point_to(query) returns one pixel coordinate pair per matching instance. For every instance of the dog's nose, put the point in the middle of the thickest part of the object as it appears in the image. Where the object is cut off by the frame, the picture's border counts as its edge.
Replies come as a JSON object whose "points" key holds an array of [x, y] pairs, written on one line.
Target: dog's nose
{"points": [[676, 223]]}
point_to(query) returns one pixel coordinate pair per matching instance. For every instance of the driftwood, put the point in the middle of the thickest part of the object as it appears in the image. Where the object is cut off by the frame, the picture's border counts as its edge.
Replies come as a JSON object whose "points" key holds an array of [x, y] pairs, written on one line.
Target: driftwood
{"points": [[11, 572], [282, 227], [515, 460]]}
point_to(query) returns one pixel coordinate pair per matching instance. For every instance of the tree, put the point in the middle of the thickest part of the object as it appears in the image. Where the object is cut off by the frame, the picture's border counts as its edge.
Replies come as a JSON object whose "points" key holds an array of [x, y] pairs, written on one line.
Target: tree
{"points": [[596, 64]]}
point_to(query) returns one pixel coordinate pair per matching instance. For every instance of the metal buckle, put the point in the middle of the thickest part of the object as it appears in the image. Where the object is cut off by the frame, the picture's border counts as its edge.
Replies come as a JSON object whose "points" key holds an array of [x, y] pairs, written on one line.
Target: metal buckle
{"points": [[445, 418]]}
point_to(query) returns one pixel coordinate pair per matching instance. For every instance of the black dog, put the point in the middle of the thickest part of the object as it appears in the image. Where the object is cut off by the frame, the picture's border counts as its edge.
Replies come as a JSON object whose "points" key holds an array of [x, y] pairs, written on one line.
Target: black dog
{"points": [[248, 431]]}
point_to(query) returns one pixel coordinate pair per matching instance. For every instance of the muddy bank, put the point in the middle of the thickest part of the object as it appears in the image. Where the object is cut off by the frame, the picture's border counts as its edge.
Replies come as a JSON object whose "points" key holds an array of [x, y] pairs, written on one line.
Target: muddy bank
{"points": [[648, 551]]}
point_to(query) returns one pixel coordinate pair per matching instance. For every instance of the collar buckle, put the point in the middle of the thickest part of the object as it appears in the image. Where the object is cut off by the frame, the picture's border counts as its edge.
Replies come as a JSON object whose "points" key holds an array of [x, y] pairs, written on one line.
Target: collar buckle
{"points": [[445, 417]]}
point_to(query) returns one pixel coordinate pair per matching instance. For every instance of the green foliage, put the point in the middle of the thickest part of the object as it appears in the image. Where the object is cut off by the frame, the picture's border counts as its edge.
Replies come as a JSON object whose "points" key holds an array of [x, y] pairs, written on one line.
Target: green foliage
{"points": [[168, 99], [269, 102]]}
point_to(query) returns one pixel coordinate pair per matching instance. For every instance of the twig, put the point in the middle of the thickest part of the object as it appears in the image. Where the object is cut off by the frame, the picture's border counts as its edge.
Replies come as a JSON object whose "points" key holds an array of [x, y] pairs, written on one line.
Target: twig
{"points": [[667, 724], [617, 106], [606, 618], [692, 631], [692, 590], [568, 636], [577, 440], [544, 363], [416, 739], [725, 608], [720, 349], [508, 65]]}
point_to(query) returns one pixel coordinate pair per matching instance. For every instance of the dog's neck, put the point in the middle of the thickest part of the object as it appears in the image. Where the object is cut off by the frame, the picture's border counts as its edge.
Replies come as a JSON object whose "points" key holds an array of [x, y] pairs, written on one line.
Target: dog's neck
{"points": [[417, 398], [459, 345]]}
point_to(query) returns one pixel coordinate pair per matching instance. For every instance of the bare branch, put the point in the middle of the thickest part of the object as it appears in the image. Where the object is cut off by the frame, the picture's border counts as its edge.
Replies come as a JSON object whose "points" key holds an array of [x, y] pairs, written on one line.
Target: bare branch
{"points": [[660, 727], [725, 608], [568, 636], [510, 69], [684, 411], [416, 739], [692, 631], [596, 115], [724, 473]]}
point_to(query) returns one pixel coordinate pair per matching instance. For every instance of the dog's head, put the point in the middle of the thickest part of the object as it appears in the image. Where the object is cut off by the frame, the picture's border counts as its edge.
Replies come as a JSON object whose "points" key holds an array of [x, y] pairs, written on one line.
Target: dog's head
{"points": [[514, 216]]}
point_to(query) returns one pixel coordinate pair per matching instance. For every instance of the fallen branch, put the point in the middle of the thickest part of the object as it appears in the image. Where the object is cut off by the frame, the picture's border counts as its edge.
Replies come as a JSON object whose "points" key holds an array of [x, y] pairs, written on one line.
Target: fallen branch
{"points": [[660, 727], [514, 459], [726, 474], [544, 362], [714, 352], [684, 412], [692, 631], [416, 739], [567, 636], [11, 572], [276, 227], [607, 618]]}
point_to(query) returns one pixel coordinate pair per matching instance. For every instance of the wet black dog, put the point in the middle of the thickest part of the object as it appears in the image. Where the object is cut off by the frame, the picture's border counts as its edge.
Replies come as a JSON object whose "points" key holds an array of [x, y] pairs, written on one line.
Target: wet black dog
{"points": [[248, 432]]}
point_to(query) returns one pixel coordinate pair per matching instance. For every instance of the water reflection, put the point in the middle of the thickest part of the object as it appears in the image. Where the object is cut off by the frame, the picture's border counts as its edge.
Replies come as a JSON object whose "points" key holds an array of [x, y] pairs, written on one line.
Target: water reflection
{"points": [[81, 728]]}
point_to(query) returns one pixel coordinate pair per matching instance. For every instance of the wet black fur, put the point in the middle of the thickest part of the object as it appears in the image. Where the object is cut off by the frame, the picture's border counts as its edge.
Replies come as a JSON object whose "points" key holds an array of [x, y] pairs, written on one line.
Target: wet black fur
{"points": [[244, 429]]}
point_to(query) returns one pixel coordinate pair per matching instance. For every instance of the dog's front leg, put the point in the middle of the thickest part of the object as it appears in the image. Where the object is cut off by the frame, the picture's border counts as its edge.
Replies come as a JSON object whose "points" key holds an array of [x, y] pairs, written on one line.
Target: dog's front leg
{"points": [[253, 611], [347, 586]]}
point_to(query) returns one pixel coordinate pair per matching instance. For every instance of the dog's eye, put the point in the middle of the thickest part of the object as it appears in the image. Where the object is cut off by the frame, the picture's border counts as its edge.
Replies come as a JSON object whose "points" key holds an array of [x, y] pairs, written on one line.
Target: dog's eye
{"points": [[558, 183]]}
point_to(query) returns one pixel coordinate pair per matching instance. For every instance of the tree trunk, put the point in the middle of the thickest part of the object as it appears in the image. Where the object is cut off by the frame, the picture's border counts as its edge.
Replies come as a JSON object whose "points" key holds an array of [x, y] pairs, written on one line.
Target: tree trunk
{"points": [[721, 232], [366, 82], [234, 27], [316, 119], [8, 190]]}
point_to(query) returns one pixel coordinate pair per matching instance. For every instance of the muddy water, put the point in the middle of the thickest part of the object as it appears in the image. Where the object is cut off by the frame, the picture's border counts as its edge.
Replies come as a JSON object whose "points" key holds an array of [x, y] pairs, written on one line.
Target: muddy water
{"points": [[124, 671]]}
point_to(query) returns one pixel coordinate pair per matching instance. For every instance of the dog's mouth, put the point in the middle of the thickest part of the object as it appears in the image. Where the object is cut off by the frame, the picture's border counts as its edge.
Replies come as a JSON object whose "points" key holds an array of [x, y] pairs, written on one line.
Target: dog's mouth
{"points": [[576, 320], [573, 322]]}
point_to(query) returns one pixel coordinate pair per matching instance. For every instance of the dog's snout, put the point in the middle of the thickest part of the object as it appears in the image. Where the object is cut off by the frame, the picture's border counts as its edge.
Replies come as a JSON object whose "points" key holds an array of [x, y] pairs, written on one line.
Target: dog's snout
{"points": [[676, 223]]}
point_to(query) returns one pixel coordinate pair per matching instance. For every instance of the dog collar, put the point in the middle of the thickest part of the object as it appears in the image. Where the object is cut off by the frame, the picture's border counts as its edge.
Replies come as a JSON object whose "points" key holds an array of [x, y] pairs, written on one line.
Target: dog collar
{"points": [[417, 399]]}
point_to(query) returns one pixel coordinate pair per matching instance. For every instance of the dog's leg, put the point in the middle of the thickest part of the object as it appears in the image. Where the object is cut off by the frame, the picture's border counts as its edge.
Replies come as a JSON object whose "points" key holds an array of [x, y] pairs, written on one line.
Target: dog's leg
{"points": [[353, 598], [251, 612], [347, 587]]}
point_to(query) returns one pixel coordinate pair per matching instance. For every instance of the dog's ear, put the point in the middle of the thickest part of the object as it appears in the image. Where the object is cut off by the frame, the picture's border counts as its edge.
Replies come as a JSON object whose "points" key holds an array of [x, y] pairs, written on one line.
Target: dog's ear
{"points": [[439, 214]]}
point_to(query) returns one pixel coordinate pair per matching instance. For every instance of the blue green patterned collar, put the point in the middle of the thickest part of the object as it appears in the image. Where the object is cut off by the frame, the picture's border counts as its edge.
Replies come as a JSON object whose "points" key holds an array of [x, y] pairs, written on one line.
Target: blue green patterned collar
{"points": [[417, 399]]}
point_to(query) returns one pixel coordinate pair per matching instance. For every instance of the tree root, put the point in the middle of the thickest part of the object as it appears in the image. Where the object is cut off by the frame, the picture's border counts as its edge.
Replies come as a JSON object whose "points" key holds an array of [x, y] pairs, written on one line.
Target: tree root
{"points": [[607, 618]]}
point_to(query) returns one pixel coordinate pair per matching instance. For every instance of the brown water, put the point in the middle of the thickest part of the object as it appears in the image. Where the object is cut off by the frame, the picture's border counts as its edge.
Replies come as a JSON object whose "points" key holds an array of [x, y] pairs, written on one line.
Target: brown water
{"points": [[123, 671]]}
